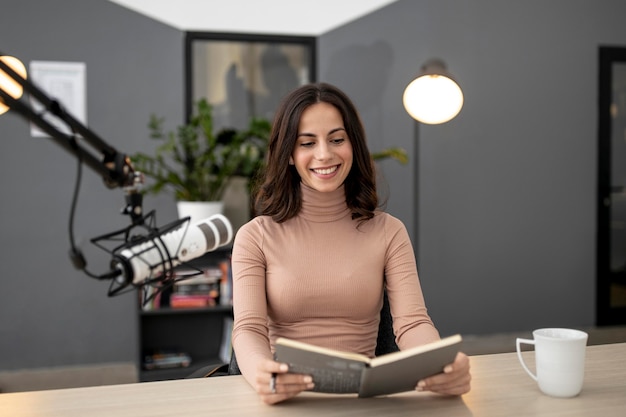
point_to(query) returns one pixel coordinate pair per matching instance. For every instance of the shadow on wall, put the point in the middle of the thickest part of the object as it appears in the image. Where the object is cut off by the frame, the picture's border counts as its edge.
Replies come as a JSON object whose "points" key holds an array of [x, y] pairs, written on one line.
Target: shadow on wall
{"points": [[374, 62], [278, 76]]}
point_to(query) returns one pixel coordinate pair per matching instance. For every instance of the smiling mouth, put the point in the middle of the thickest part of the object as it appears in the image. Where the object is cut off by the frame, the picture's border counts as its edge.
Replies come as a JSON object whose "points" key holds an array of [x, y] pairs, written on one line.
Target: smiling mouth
{"points": [[325, 171]]}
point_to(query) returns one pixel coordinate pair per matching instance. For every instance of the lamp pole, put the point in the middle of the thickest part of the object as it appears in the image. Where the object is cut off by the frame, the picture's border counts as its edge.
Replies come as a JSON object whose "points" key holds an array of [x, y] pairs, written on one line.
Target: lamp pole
{"points": [[433, 97], [416, 189]]}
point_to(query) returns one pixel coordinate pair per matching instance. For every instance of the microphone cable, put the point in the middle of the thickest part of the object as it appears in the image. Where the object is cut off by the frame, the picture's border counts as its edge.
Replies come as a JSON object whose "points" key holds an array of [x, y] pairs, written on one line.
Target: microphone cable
{"points": [[76, 255]]}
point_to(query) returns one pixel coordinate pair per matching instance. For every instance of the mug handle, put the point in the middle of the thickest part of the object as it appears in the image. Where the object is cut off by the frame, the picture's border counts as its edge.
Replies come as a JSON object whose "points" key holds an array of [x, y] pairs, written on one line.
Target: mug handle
{"points": [[519, 355]]}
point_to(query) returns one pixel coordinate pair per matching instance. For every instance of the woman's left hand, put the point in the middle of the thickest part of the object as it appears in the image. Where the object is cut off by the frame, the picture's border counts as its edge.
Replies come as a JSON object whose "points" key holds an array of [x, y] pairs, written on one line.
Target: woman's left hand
{"points": [[454, 380]]}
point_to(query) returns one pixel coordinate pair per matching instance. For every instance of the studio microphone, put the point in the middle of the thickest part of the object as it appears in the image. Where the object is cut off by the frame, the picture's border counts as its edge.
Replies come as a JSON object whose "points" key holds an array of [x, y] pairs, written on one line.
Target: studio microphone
{"points": [[152, 257]]}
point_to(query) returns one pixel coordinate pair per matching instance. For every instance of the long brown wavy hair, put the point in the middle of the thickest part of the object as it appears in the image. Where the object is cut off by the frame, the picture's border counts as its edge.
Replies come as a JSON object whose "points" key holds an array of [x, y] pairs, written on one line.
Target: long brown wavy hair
{"points": [[278, 194]]}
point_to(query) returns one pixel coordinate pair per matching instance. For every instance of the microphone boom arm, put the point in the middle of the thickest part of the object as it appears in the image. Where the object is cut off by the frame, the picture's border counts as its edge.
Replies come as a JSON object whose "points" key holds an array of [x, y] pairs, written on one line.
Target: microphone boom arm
{"points": [[115, 168], [146, 261]]}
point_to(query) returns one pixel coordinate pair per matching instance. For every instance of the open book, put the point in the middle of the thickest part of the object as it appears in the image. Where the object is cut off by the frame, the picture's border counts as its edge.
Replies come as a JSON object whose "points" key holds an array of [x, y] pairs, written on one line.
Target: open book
{"points": [[340, 372]]}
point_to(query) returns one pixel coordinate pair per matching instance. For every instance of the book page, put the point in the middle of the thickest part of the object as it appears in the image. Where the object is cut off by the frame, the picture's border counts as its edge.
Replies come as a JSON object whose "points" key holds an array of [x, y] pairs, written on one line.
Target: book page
{"points": [[405, 371], [392, 357], [313, 348]]}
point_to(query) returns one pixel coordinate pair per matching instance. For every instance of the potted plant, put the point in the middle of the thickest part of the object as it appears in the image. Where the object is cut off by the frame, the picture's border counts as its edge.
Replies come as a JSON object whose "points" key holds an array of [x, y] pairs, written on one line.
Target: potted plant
{"points": [[197, 163]]}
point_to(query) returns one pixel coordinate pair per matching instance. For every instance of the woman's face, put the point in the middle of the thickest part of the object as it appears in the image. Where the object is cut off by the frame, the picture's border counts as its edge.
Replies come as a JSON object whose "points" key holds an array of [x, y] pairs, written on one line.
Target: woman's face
{"points": [[323, 152]]}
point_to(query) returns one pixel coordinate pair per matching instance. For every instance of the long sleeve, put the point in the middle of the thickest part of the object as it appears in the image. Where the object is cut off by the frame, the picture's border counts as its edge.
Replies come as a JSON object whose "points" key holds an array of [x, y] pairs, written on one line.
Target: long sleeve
{"points": [[412, 324], [250, 334], [319, 278]]}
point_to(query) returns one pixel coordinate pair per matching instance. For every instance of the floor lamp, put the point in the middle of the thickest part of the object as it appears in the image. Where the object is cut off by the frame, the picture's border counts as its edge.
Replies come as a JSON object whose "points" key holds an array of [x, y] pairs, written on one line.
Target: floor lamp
{"points": [[433, 97]]}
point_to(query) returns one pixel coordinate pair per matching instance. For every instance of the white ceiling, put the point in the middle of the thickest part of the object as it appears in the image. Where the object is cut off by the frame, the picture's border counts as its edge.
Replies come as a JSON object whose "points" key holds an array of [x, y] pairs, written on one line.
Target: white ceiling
{"points": [[280, 17]]}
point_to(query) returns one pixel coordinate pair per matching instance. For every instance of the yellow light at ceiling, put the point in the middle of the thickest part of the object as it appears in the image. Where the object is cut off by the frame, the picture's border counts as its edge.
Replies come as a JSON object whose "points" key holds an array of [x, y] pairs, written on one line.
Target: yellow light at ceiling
{"points": [[7, 84]]}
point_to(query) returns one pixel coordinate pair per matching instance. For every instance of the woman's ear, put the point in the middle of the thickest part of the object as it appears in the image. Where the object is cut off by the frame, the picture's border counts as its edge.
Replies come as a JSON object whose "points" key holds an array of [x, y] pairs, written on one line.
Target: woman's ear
{"points": [[291, 161]]}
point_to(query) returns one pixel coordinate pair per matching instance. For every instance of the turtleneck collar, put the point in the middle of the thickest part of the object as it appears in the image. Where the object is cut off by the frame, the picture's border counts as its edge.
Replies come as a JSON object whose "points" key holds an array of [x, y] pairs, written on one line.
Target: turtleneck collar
{"points": [[323, 207]]}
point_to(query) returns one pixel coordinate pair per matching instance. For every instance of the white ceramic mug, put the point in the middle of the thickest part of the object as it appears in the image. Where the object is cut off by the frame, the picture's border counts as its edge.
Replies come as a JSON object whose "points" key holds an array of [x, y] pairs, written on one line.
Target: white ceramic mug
{"points": [[559, 359]]}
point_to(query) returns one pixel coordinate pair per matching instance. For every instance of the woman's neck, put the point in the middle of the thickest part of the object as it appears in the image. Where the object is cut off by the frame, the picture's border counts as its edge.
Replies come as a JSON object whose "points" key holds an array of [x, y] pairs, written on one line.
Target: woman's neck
{"points": [[323, 206]]}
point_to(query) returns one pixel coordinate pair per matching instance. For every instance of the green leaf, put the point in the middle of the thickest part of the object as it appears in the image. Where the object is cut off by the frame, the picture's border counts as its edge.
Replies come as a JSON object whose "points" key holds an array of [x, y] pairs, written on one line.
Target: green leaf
{"points": [[398, 154]]}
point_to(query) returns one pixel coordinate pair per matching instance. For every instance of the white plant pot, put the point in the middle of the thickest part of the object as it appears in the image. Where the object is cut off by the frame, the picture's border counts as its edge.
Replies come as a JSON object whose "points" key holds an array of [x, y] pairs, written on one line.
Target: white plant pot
{"points": [[199, 210]]}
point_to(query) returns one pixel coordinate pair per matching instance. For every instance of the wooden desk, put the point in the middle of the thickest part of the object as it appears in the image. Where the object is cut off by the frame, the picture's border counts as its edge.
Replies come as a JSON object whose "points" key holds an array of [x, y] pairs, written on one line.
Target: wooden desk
{"points": [[500, 388]]}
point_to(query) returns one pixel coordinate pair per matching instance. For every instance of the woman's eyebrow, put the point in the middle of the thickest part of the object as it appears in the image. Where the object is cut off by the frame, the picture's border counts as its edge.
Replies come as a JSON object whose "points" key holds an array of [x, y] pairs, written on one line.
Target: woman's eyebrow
{"points": [[311, 135], [337, 129]]}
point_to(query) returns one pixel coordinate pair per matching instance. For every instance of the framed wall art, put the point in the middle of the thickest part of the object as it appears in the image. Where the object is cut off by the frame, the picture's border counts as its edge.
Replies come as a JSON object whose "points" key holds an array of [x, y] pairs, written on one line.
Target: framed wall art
{"points": [[244, 76]]}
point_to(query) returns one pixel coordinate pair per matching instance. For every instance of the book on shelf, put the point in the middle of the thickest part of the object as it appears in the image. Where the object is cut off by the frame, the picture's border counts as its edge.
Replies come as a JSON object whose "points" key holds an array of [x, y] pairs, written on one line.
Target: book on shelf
{"points": [[193, 288], [192, 300], [226, 283], [165, 359], [190, 278], [196, 290], [335, 371], [149, 298]]}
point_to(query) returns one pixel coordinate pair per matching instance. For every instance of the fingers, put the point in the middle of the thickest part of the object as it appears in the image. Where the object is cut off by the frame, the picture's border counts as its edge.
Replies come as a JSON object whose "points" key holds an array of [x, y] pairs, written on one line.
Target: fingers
{"points": [[275, 384], [455, 379]]}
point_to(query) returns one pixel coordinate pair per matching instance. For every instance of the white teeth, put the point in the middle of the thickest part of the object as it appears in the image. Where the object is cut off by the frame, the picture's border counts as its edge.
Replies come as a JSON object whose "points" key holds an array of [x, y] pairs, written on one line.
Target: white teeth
{"points": [[325, 171]]}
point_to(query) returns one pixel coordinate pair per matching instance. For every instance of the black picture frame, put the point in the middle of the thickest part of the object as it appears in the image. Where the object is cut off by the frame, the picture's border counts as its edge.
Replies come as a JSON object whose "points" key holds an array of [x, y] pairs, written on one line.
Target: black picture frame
{"points": [[245, 75]]}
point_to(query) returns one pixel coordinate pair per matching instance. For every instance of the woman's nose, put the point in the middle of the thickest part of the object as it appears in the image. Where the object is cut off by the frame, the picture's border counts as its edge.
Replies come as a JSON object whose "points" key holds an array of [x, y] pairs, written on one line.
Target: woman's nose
{"points": [[322, 152]]}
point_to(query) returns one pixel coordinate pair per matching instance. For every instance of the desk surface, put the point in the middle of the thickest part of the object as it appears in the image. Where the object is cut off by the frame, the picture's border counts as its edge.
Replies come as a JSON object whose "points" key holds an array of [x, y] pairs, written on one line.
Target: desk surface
{"points": [[500, 387]]}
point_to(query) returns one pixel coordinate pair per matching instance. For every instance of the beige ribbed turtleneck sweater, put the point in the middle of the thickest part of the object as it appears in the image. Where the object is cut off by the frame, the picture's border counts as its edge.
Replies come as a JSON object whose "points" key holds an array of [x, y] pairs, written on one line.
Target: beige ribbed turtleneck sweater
{"points": [[318, 279]]}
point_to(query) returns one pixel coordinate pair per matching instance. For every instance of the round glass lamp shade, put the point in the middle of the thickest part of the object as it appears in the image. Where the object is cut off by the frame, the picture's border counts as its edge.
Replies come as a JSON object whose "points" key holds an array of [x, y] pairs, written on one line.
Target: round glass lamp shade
{"points": [[7, 84], [433, 99]]}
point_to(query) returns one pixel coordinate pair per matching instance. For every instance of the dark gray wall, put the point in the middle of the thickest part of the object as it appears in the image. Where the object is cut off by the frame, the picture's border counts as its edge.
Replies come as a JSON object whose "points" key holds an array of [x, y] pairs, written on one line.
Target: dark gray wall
{"points": [[508, 188], [50, 313]]}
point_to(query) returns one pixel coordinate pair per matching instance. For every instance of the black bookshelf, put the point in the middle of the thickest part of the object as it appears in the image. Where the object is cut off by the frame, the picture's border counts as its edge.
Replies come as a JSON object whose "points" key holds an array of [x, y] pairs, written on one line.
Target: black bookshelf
{"points": [[198, 332]]}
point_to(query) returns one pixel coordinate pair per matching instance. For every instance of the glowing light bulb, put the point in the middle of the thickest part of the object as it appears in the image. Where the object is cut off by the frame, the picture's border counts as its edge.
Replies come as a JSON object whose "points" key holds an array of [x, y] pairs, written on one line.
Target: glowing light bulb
{"points": [[433, 97], [8, 84]]}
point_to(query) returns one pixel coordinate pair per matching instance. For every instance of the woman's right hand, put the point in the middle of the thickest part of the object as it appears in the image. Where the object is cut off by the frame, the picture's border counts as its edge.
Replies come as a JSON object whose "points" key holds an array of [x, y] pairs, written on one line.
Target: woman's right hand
{"points": [[274, 384]]}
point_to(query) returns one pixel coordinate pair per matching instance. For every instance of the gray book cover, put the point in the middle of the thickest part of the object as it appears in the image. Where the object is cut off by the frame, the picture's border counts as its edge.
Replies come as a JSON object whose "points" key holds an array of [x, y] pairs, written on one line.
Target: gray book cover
{"points": [[343, 372]]}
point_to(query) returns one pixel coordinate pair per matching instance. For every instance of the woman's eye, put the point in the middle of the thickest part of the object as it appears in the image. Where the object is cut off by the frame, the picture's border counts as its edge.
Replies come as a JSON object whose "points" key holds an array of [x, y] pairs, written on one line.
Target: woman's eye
{"points": [[307, 144], [337, 141]]}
